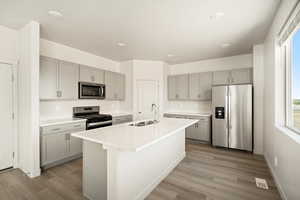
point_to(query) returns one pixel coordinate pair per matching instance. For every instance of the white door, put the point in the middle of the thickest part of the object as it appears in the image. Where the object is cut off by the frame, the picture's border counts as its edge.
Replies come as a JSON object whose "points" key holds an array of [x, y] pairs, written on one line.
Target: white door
{"points": [[6, 110], [147, 91]]}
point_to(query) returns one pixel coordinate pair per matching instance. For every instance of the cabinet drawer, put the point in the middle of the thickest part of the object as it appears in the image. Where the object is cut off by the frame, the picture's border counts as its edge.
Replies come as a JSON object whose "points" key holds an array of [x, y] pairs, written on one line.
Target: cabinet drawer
{"points": [[122, 119], [72, 127]]}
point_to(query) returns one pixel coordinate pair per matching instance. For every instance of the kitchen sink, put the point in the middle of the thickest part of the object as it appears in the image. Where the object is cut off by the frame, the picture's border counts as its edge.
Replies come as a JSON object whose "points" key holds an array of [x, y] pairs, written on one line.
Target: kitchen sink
{"points": [[144, 123]]}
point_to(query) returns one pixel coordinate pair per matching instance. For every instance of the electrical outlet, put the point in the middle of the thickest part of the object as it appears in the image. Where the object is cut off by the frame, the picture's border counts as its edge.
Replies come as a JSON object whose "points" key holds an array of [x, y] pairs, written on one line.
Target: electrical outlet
{"points": [[275, 161]]}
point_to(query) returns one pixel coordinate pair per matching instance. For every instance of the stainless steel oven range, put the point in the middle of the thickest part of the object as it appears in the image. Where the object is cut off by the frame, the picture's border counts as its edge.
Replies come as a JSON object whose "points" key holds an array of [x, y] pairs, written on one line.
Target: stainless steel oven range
{"points": [[93, 118]]}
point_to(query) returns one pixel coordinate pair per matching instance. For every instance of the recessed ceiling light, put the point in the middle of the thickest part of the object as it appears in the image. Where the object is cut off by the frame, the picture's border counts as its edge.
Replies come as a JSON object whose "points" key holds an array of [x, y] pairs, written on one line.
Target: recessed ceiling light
{"points": [[225, 45], [170, 55], [55, 13], [121, 44], [217, 15]]}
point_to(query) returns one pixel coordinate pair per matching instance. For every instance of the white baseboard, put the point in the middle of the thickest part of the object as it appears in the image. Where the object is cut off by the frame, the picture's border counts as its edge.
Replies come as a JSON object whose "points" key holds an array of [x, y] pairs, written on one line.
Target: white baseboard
{"points": [[161, 177], [276, 179]]}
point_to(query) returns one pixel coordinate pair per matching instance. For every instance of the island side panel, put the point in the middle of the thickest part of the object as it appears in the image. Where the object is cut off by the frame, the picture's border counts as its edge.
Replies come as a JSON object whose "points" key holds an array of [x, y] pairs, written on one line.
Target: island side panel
{"points": [[94, 171], [133, 175]]}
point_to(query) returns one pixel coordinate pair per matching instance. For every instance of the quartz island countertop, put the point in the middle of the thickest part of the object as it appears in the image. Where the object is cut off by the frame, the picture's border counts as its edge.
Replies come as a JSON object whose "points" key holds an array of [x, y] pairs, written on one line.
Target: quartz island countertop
{"points": [[131, 138]]}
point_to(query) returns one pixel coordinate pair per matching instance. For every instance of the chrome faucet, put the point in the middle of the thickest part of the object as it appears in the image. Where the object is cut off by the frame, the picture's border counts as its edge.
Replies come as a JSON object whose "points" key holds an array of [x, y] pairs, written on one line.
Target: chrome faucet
{"points": [[155, 109]]}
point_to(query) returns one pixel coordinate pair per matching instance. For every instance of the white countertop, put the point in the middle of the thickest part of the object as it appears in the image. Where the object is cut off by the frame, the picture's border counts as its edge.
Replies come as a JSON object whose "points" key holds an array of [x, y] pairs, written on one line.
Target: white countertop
{"points": [[190, 113], [131, 138], [52, 122]]}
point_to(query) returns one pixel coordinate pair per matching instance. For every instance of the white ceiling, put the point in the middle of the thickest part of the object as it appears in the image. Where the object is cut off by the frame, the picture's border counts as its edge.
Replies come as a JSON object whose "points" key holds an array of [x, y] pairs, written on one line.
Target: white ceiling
{"points": [[152, 29]]}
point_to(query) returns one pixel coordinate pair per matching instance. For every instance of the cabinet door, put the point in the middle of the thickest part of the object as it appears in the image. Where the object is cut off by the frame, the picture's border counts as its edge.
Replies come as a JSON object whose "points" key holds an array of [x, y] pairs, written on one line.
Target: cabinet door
{"points": [[75, 146], [68, 80], [194, 86], [204, 130], [221, 78], [55, 147], [171, 87], [200, 86], [90, 74], [205, 81], [110, 85], [241, 76], [48, 78], [190, 131], [182, 87], [120, 86]]}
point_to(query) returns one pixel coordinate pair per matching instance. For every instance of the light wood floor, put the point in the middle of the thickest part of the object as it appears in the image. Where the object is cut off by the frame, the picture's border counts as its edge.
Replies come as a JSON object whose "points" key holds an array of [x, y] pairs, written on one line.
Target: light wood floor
{"points": [[206, 173]]}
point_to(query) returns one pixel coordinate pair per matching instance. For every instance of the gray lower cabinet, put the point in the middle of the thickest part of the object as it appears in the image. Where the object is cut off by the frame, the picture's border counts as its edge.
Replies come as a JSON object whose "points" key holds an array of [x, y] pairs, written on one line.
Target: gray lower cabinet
{"points": [[122, 119], [200, 86], [58, 79], [57, 144], [114, 85], [91, 74], [178, 87], [199, 131]]}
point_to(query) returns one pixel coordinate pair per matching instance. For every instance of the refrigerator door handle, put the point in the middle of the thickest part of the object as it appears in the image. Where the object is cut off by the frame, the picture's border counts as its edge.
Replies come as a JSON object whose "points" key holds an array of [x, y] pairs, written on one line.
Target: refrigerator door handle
{"points": [[229, 109]]}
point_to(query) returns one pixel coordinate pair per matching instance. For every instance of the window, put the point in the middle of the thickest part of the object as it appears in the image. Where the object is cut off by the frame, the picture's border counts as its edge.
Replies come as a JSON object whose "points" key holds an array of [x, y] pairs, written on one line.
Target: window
{"points": [[292, 54]]}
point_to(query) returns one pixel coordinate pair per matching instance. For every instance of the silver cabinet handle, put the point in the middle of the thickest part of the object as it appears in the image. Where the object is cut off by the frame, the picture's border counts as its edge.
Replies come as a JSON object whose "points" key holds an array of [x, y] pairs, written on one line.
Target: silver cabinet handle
{"points": [[99, 123], [58, 93]]}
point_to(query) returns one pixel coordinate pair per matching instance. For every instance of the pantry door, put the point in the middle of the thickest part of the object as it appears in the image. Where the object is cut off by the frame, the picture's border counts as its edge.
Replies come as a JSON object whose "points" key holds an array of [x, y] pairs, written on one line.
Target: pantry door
{"points": [[6, 117], [147, 94]]}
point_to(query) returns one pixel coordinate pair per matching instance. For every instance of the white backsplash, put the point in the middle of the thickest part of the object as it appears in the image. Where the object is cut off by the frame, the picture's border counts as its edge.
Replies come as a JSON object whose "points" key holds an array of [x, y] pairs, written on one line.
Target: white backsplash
{"points": [[189, 106], [64, 109]]}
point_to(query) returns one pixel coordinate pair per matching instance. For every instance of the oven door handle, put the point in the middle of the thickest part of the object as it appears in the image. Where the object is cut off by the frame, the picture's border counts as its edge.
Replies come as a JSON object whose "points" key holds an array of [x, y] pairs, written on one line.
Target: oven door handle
{"points": [[99, 123]]}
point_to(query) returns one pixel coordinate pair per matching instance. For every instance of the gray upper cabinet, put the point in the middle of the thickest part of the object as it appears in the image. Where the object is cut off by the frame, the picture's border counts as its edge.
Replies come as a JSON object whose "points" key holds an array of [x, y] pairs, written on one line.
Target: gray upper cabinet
{"points": [[241, 76], [68, 80], [236, 76], [172, 87], [91, 74], [58, 79], [200, 86], [178, 87], [114, 86], [221, 77], [48, 78]]}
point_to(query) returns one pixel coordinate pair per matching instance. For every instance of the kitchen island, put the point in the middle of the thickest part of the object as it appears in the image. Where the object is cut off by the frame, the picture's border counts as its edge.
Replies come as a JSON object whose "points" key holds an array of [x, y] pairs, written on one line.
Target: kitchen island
{"points": [[127, 162]]}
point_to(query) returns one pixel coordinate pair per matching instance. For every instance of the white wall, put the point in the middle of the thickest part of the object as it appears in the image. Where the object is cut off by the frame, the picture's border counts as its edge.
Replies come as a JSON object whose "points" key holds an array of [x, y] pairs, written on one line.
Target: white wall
{"points": [[127, 69], [28, 100], [276, 142], [142, 70], [63, 109], [8, 45], [258, 84], [226, 63]]}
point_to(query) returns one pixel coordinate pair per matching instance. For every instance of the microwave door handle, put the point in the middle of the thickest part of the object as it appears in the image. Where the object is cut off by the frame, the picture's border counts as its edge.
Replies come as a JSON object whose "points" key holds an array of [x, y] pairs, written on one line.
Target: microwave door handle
{"points": [[100, 91]]}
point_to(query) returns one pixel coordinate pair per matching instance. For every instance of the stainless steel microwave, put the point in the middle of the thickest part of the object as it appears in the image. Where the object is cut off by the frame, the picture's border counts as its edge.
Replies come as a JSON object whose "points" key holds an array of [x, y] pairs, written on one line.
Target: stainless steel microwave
{"points": [[91, 90]]}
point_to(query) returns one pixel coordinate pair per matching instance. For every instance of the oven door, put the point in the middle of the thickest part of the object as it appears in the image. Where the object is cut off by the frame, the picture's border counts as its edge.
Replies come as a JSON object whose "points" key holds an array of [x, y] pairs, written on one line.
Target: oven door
{"points": [[93, 125], [91, 91]]}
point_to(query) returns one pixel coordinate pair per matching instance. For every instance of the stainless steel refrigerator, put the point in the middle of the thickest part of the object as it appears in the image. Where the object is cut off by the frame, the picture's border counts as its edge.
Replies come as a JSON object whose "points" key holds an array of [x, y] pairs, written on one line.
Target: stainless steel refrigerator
{"points": [[232, 117]]}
